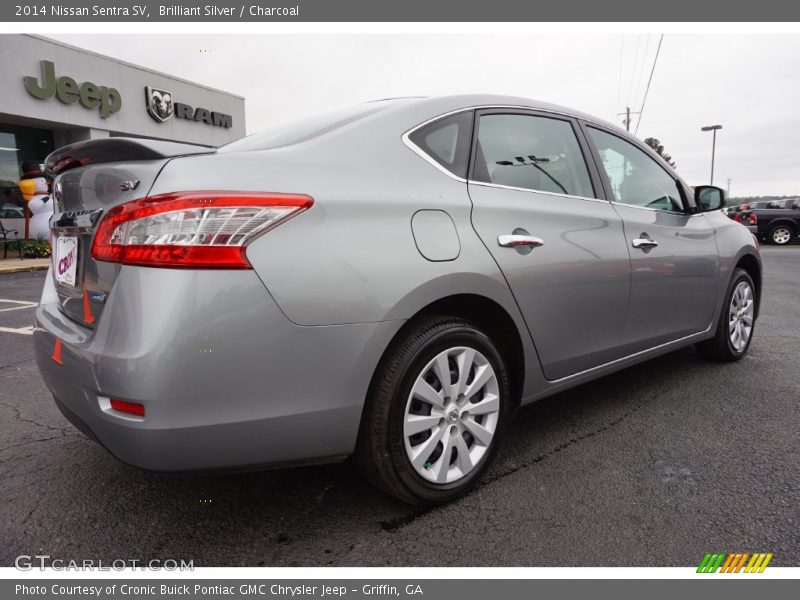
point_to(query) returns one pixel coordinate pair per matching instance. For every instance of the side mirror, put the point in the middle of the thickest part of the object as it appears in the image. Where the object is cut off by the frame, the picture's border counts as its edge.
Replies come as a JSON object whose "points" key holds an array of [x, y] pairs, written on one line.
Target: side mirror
{"points": [[708, 197]]}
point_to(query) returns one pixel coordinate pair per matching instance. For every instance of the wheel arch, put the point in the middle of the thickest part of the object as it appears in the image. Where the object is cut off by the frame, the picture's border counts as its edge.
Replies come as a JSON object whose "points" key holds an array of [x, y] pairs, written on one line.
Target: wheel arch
{"points": [[752, 265], [782, 221], [486, 314]]}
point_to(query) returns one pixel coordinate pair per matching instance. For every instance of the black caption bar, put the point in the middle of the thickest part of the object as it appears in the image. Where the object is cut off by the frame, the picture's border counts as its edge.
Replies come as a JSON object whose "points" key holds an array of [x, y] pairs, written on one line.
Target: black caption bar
{"points": [[353, 589], [405, 11]]}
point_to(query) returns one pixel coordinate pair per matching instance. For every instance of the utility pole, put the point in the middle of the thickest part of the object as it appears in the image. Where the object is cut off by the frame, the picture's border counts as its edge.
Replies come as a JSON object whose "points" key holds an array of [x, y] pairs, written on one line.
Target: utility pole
{"points": [[627, 120], [729, 187], [712, 128]]}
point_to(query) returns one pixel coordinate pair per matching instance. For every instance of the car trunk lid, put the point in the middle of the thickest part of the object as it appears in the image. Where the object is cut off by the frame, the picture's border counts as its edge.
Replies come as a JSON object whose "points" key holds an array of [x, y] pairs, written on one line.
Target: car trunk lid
{"points": [[91, 178]]}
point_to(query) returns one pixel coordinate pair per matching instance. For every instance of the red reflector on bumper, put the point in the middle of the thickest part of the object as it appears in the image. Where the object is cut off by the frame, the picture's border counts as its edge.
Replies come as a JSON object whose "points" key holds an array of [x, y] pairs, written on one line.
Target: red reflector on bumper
{"points": [[57, 352], [131, 408], [88, 317]]}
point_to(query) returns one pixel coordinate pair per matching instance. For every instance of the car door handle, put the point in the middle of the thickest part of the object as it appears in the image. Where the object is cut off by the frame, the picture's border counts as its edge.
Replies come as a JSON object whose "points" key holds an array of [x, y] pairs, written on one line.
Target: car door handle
{"points": [[644, 243], [516, 241]]}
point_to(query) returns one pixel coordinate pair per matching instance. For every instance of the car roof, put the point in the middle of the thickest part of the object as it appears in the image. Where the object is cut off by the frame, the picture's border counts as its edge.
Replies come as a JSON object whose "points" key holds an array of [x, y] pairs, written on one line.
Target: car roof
{"points": [[404, 113], [444, 104]]}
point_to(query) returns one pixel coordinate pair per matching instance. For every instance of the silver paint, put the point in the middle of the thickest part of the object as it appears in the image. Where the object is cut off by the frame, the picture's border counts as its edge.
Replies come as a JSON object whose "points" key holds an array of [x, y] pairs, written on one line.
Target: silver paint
{"points": [[273, 365]]}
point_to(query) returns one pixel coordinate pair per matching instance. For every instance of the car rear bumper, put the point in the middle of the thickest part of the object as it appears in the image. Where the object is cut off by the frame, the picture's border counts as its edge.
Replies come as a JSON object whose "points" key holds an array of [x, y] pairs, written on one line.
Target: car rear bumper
{"points": [[752, 229], [226, 380]]}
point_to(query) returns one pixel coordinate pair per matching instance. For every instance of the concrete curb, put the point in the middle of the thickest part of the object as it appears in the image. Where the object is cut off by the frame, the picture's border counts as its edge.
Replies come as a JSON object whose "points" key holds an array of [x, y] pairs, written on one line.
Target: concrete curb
{"points": [[23, 268]]}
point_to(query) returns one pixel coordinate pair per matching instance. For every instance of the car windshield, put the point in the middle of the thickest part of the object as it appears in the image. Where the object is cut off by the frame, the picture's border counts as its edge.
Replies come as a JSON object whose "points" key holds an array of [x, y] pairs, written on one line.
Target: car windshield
{"points": [[303, 130]]}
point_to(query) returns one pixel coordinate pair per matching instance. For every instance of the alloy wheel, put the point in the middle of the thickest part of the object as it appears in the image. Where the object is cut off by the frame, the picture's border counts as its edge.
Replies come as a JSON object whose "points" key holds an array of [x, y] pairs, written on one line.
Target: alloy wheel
{"points": [[781, 235], [740, 316], [451, 415]]}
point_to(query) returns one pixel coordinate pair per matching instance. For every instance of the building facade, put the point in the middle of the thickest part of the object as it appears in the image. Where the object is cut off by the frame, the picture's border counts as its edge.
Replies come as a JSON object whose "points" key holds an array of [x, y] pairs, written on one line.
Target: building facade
{"points": [[53, 94]]}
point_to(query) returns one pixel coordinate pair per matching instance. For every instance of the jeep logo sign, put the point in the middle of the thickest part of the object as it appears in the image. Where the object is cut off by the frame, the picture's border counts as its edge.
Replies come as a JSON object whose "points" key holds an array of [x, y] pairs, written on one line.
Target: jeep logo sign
{"points": [[161, 107], [107, 99]]}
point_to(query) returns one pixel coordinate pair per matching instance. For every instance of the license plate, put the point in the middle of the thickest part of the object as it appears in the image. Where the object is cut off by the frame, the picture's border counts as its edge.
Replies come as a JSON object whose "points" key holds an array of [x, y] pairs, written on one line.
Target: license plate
{"points": [[66, 259]]}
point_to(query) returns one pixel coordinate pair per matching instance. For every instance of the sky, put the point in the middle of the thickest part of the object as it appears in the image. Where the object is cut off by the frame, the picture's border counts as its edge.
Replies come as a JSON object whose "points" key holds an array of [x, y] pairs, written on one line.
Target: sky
{"points": [[749, 84]]}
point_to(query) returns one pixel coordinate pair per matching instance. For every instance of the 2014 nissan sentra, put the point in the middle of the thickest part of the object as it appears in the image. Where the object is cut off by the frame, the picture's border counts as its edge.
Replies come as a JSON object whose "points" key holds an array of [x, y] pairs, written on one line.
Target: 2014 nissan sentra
{"points": [[387, 282]]}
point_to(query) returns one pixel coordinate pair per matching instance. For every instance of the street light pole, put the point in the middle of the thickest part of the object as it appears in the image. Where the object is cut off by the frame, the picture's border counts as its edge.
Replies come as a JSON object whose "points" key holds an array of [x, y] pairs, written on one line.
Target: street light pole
{"points": [[712, 128]]}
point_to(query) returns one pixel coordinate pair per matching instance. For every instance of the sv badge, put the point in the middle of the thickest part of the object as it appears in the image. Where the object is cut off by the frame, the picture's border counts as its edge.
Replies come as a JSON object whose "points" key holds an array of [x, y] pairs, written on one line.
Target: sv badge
{"points": [[129, 185]]}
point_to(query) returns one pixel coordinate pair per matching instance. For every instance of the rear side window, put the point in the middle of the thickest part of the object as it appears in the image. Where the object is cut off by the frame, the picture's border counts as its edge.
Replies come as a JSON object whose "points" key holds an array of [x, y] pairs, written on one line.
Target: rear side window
{"points": [[446, 141], [531, 152], [779, 204]]}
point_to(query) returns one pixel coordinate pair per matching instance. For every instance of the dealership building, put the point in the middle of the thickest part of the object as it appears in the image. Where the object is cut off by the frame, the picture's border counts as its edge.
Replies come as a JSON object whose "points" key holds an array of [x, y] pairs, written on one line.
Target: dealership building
{"points": [[53, 94]]}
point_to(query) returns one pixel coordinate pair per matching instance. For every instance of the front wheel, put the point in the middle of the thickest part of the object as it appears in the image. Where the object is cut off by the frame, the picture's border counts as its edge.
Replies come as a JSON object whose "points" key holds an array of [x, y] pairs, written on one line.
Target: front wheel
{"points": [[736, 321], [437, 407]]}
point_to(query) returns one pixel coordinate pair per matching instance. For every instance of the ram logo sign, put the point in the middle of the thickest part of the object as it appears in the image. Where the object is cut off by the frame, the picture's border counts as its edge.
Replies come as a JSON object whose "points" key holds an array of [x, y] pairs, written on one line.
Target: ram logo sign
{"points": [[734, 562], [159, 104], [161, 107]]}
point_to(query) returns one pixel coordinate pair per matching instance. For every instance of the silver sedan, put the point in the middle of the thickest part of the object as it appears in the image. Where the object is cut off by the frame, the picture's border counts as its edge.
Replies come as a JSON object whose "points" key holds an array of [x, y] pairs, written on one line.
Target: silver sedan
{"points": [[388, 282]]}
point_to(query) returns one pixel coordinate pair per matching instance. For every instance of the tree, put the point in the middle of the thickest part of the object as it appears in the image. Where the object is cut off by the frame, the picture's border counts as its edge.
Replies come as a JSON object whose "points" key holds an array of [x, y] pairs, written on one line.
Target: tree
{"points": [[658, 147]]}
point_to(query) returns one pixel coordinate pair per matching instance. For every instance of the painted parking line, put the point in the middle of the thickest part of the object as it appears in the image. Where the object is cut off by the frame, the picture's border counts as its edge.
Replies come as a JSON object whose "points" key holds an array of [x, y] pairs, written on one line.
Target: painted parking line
{"points": [[18, 304], [20, 331]]}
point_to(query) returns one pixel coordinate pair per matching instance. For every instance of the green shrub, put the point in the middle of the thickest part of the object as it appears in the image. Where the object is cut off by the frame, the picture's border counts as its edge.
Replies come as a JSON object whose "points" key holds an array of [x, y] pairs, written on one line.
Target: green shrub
{"points": [[36, 248]]}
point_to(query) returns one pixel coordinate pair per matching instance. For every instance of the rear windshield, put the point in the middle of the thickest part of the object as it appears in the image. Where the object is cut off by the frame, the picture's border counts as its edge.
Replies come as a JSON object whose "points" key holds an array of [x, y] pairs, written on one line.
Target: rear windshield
{"points": [[305, 129]]}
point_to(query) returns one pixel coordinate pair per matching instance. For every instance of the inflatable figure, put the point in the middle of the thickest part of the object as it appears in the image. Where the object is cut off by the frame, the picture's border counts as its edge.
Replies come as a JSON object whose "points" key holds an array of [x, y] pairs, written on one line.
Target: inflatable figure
{"points": [[35, 192]]}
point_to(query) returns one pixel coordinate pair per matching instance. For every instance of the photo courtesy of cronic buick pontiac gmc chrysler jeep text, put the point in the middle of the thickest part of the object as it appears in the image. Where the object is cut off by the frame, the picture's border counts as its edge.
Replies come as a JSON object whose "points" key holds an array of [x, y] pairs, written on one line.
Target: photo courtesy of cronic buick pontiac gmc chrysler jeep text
{"points": [[388, 282]]}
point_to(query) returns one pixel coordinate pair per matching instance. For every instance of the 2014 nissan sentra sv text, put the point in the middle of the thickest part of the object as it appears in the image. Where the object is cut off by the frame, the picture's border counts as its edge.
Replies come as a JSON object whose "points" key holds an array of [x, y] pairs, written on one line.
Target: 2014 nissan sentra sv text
{"points": [[388, 282]]}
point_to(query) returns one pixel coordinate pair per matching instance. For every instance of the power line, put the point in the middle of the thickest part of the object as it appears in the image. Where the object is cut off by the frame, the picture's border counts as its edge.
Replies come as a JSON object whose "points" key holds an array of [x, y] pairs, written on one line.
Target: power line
{"points": [[642, 70], [633, 68], [649, 81], [619, 81]]}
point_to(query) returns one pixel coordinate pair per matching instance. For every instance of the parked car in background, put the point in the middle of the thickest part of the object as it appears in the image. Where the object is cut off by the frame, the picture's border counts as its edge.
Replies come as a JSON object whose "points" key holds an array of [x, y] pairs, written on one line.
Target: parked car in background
{"points": [[784, 203], [735, 212], [777, 223], [388, 282], [11, 211], [12, 218]]}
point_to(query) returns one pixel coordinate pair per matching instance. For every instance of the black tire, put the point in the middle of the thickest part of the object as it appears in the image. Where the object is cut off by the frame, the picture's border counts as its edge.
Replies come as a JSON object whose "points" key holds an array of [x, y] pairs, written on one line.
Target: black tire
{"points": [[719, 348], [784, 240], [380, 450]]}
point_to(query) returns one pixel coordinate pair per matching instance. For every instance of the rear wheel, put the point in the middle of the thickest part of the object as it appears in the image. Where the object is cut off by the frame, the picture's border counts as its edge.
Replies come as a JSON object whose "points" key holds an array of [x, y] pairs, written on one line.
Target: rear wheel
{"points": [[736, 321], [437, 407], [780, 235]]}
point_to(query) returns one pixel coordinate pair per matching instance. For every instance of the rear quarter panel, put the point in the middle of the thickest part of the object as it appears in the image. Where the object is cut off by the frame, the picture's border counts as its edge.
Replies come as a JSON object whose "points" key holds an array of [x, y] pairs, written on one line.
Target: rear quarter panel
{"points": [[352, 257]]}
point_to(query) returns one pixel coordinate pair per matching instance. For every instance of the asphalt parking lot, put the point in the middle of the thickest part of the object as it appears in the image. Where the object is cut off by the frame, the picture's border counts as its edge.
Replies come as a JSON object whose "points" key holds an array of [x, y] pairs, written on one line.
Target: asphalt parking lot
{"points": [[653, 466]]}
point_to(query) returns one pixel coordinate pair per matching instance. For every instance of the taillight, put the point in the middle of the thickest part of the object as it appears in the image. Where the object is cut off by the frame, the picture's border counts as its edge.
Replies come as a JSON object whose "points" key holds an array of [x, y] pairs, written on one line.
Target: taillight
{"points": [[191, 229], [737, 218], [753, 219]]}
